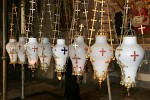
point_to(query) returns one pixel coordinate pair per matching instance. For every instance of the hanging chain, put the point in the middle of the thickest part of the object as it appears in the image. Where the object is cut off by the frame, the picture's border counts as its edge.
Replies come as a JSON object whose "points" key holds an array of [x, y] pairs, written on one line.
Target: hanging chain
{"points": [[30, 21], [77, 10], [141, 26], [41, 24], [110, 29], [66, 15], [101, 30], [72, 27], [14, 12], [74, 22], [93, 22], [113, 22], [59, 10], [42, 20], [124, 19], [32, 9], [57, 22], [50, 14], [109, 24], [17, 24], [30, 18], [86, 15]]}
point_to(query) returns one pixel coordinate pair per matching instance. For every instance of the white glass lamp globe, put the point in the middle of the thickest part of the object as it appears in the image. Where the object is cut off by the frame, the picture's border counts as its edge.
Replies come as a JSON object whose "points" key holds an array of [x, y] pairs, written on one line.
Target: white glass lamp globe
{"points": [[100, 56], [44, 53], [11, 50], [129, 55], [32, 53], [78, 52], [60, 54], [21, 50]]}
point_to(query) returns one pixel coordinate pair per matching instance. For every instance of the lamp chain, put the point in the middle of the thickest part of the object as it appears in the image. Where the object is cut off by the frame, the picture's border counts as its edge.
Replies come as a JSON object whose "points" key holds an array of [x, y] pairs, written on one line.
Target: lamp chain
{"points": [[14, 12], [57, 22], [50, 14], [66, 14], [42, 22], [86, 15], [93, 23], [101, 30], [72, 28], [124, 20]]}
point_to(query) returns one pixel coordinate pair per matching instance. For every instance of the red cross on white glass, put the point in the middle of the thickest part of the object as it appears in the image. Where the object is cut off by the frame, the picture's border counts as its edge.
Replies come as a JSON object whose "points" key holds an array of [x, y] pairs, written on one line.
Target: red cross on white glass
{"points": [[35, 48], [102, 51], [134, 55], [19, 46]]}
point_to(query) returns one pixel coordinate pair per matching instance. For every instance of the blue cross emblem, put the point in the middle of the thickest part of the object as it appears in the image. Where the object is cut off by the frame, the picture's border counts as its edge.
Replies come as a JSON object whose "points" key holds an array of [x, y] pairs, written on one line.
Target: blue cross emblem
{"points": [[64, 50]]}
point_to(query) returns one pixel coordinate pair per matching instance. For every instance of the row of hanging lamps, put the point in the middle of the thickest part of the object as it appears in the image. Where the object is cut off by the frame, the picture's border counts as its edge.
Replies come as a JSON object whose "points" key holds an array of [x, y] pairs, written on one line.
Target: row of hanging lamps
{"points": [[101, 52], [60, 50], [10, 46], [44, 47], [129, 54]]}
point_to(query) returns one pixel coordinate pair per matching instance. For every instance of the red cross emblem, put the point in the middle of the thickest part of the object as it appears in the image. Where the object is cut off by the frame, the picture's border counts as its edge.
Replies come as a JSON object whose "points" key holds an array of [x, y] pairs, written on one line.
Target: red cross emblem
{"points": [[102, 51], [35, 48], [19, 46], [134, 55]]}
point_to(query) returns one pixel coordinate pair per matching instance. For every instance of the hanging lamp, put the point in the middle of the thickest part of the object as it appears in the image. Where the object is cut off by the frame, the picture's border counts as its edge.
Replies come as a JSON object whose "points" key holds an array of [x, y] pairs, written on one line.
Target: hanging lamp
{"points": [[129, 53], [10, 46], [101, 53]]}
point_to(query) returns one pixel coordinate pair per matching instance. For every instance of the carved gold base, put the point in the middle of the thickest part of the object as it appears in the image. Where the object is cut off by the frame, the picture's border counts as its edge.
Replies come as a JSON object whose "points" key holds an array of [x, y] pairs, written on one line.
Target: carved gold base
{"points": [[125, 80], [32, 67], [60, 70], [60, 75], [128, 83], [100, 78], [12, 62], [77, 74], [44, 66]]}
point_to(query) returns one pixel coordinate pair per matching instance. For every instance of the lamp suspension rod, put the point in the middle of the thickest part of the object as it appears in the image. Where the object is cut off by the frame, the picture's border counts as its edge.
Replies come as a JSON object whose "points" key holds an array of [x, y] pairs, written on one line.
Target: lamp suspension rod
{"points": [[22, 33], [4, 51]]}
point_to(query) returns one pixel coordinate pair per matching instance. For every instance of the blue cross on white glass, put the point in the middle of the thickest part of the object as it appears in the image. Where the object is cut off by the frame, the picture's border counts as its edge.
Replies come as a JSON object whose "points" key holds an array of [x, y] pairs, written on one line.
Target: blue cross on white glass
{"points": [[64, 50]]}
